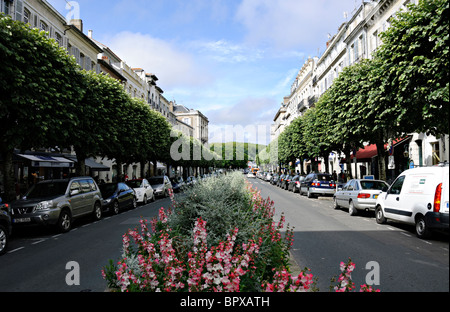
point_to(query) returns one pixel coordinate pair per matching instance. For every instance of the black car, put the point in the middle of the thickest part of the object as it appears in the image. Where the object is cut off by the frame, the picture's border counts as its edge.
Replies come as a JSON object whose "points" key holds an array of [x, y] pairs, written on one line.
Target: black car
{"points": [[117, 196], [177, 184], [274, 179], [5, 226], [294, 184], [280, 180], [316, 184], [285, 182]]}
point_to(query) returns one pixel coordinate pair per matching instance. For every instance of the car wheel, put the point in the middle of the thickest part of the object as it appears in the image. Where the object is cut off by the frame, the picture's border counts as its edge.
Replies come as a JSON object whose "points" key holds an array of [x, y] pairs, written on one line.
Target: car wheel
{"points": [[335, 204], [379, 216], [4, 239], [115, 207], [64, 221], [145, 199], [97, 212], [153, 197], [134, 203], [351, 209], [310, 195], [422, 229]]}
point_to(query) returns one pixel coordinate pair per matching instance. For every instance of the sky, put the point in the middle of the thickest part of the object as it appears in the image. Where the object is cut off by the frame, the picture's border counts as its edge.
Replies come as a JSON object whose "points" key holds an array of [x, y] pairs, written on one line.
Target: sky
{"points": [[233, 60]]}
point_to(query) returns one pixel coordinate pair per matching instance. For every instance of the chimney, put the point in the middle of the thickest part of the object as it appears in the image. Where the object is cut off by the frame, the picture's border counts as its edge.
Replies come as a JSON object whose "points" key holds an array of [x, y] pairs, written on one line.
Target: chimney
{"points": [[90, 33], [78, 23]]}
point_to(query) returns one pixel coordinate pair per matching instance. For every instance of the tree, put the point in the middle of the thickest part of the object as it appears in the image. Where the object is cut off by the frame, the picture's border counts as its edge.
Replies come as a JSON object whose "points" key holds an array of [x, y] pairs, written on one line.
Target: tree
{"points": [[40, 85], [414, 65]]}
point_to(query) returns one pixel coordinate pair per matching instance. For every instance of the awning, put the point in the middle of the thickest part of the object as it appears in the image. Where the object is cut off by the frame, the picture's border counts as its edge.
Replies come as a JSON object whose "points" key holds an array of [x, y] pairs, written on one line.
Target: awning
{"points": [[370, 151], [91, 163], [48, 161]]}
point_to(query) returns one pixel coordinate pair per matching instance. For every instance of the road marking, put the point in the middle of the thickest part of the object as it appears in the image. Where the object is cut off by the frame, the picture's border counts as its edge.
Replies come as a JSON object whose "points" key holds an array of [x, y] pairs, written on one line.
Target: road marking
{"points": [[405, 234], [56, 236], [17, 249], [39, 241]]}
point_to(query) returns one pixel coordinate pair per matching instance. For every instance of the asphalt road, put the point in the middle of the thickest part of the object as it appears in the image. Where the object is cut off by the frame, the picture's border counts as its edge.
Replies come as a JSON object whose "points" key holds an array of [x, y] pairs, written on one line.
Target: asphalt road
{"points": [[324, 237], [37, 260]]}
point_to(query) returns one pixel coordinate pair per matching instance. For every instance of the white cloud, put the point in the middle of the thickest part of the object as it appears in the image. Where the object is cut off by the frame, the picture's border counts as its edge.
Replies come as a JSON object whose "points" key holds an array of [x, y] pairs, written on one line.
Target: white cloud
{"points": [[162, 58], [291, 23], [227, 52]]}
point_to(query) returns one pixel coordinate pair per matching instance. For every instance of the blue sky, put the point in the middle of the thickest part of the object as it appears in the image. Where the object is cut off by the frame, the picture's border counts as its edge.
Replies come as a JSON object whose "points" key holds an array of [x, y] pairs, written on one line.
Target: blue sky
{"points": [[234, 60]]}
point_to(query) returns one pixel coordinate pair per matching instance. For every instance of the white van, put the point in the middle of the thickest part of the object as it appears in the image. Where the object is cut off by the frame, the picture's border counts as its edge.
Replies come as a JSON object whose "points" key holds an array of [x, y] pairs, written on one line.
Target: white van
{"points": [[418, 196]]}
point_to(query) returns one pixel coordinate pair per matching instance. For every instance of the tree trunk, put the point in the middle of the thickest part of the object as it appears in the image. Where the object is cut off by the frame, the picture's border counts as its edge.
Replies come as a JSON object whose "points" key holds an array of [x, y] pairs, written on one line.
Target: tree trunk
{"points": [[381, 161], [8, 175], [142, 171], [348, 160], [80, 166], [120, 176]]}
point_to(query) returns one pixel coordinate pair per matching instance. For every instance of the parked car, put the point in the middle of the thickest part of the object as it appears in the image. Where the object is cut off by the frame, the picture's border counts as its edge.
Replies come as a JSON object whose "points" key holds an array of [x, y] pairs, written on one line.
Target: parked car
{"points": [[251, 175], [143, 189], [117, 196], [161, 185], [294, 184], [177, 184], [58, 202], [274, 179], [268, 177], [5, 226], [316, 184], [417, 196], [359, 194], [286, 180], [280, 180]]}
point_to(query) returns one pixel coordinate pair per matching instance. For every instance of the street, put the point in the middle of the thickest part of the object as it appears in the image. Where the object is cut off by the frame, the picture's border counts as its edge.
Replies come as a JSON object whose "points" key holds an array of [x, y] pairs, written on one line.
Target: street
{"points": [[324, 237], [37, 257]]}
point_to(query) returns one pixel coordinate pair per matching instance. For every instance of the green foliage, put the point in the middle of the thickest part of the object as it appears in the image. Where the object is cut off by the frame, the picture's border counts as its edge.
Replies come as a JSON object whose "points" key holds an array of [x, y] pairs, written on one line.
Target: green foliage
{"points": [[414, 63], [225, 203], [403, 89]]}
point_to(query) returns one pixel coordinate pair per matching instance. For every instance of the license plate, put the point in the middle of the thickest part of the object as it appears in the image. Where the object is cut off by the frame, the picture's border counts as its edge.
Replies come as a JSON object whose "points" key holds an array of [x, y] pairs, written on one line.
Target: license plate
{"points": [[375, 196], [324, 185], [21, 220]]}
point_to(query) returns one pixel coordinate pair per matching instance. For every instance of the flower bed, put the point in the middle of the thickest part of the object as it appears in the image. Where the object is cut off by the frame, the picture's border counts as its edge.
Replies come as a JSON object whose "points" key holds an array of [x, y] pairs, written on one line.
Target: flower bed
{"points": [[218, 236]]}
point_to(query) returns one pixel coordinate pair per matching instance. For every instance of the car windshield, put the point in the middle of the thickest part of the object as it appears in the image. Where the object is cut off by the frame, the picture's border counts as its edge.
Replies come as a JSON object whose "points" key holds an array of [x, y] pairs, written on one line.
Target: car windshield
{"points": [[134, 183], [373, 185], [156, 181], [47, 189], [324, 177], [107, 189]]}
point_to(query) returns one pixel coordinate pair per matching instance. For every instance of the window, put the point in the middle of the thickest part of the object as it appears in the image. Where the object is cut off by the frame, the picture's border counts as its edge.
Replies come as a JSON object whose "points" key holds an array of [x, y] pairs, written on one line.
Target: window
{"points": [[85, 187], [5, 6], [435, 153], [43, 26], [396, 187], [59, 39], [74, 186], [26, 16]]}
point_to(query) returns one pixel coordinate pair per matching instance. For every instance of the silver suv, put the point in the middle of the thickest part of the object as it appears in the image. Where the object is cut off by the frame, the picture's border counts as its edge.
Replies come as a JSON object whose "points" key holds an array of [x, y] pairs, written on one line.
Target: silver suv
{"points": [[58, 202]]}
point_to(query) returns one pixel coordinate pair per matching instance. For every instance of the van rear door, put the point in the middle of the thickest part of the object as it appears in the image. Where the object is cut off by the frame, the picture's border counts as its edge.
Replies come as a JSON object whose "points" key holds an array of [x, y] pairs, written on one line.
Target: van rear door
{"points": [[445, 191]]}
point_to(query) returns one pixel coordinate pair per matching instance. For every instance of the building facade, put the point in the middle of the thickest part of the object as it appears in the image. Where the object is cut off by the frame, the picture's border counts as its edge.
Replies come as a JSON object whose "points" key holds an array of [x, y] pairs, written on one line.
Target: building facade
{"points": [[357, 39]]}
